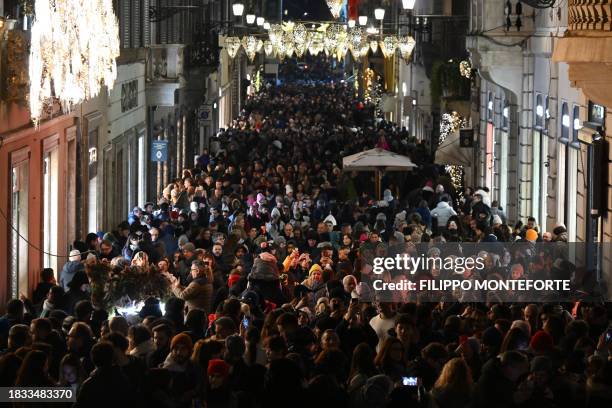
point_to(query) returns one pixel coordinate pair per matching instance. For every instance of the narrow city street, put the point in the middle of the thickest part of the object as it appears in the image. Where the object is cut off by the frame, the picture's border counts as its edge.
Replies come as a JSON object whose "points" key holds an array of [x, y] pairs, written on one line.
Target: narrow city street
{"points": [[339, 203]]}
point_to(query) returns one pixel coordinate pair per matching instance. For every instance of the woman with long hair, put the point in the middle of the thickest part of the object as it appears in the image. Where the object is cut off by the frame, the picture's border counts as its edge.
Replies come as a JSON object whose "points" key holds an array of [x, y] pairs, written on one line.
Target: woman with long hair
{"points": [[390, 359], [453, 389], [362, 367]]}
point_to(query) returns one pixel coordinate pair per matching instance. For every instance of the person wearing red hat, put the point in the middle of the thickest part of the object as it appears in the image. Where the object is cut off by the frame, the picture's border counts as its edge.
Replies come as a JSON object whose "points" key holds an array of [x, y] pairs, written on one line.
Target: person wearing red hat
{"points": [[541, 343], [218, 393]]}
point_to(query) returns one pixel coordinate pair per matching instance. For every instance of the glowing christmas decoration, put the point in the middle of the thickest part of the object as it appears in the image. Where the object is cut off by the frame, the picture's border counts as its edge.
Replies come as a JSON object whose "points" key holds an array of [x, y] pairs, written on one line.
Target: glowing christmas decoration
{"points": [[250, 45], [334, 7], [73, 53], [232, 45], [465, 69], [389, 45], [406, 46]]}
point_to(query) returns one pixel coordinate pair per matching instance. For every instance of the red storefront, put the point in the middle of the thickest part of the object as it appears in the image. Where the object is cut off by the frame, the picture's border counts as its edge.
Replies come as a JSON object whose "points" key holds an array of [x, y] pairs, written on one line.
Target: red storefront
{"points": [[37, 197]]}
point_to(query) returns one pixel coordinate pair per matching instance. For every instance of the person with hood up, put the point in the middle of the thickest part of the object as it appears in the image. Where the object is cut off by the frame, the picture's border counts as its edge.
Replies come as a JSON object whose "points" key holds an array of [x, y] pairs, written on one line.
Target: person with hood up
{"points": [[443, 212], [264, 278]]}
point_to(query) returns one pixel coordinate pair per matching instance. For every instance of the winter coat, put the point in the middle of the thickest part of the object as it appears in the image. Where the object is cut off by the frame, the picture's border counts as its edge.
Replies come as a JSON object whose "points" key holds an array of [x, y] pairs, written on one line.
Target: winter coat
{"points": [[95, 390], [197, 295], [442, 213], [70, 268]]}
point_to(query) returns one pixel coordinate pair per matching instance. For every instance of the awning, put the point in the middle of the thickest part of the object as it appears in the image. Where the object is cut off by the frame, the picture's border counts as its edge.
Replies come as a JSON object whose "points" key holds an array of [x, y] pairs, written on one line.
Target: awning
{"points": [[451, 152], [377, 159]]}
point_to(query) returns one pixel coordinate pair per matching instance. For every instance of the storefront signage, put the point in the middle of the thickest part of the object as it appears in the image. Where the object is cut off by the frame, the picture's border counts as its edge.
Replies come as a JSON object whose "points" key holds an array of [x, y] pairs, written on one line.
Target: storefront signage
{"points": [[159, 150]]}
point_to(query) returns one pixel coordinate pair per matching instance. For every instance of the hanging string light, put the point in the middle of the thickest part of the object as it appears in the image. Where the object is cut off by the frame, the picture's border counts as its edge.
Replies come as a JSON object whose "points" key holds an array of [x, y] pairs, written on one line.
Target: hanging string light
{"points": [[334, 7], [73, 53]]}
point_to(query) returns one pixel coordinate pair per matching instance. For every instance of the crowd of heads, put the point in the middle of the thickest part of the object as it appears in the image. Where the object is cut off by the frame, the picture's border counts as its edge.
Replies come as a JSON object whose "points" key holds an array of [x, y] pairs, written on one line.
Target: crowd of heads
{"points": [[267, 249]]}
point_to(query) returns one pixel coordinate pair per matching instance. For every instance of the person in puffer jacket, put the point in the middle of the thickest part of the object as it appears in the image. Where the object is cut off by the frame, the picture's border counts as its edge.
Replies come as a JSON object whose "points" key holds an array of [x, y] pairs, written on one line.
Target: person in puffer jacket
{"points": [[264, 279], [442, 213]]}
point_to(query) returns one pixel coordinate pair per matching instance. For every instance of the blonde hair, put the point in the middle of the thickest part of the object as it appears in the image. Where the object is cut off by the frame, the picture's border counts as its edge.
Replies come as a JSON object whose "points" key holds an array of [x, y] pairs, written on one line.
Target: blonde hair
{"points": [[456, 376]]}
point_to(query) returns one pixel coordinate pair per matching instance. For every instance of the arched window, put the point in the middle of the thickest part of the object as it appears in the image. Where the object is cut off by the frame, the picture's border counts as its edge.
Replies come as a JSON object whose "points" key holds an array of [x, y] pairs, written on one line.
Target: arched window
{"points": [[565, 123]]}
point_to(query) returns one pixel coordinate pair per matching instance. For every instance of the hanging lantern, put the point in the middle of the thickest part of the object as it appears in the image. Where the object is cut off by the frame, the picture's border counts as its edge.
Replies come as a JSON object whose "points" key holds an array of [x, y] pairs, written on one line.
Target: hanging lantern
{"points": [[355, 36], [232, 45], [406, 46], [276, 34], [288, 44], [334, 7], [389, 45], [300, 33], [250, 44]]}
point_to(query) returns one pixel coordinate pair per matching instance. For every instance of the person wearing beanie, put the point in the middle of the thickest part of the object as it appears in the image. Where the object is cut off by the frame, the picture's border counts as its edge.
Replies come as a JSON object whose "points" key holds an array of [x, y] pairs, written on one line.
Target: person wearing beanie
{"points": [[541, 343], [70, 269], [186, 376], [315, 278], [496, 221], [219, 392]]}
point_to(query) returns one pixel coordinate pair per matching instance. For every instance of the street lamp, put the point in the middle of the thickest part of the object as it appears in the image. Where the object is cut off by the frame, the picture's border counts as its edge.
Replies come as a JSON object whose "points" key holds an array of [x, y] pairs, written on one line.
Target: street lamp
{"points": [[351, 23], [379, 13], [260, 21], [250, 18], [408, 4], [363, 20], [238, 9], [266, 25]]}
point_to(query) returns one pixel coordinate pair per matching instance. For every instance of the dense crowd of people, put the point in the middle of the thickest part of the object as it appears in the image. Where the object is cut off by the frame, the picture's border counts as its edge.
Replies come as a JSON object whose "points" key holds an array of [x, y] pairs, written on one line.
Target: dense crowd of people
{"points": [[267, 247]]}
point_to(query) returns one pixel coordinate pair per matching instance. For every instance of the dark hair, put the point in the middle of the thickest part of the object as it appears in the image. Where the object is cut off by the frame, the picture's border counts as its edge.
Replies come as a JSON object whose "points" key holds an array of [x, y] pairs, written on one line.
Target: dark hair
{"points": [[434, 351], [363, 361], [117, 340], [19, 335], [83, 310], [140, 333], [102, 354], [42, 324], [47, 275], [164, 328], [32, 372], [9, 366], [14, 307]]}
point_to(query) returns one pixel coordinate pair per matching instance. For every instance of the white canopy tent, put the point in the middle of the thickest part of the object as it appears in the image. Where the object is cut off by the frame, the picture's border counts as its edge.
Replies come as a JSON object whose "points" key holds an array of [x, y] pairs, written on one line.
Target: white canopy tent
{"points": [[379, 161], [451, 152]]}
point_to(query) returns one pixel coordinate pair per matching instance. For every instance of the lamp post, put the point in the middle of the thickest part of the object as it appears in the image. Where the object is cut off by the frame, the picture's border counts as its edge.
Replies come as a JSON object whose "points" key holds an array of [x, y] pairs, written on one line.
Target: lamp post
{"points": [[238, 9]]}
